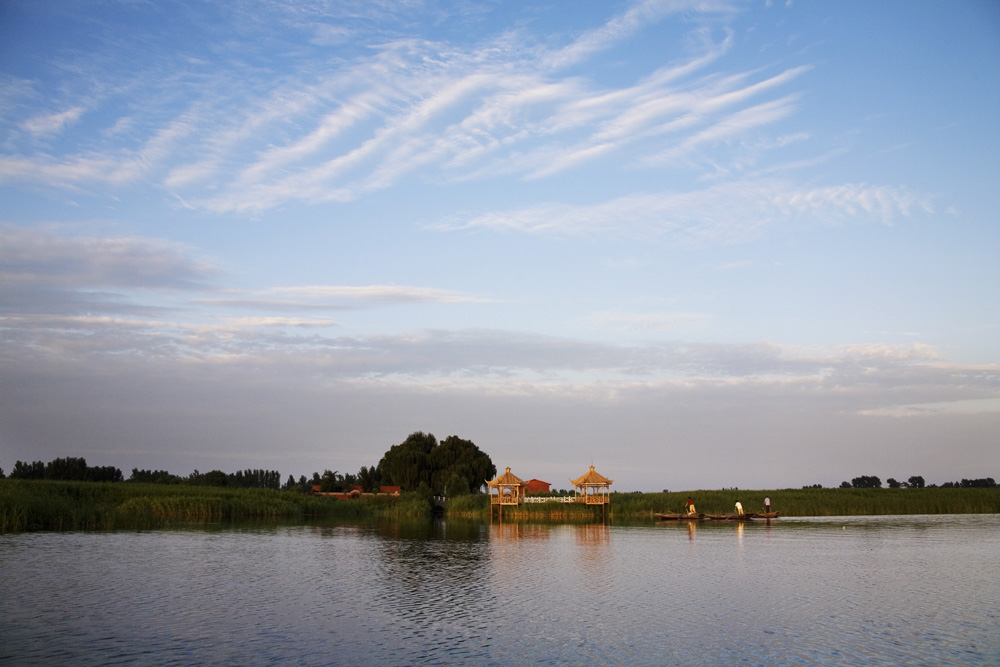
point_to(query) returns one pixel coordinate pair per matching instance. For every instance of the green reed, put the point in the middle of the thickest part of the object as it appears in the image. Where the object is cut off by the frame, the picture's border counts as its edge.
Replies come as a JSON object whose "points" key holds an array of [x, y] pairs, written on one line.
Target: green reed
{"points": [[50, 505], [789, 502], [814, 502]]}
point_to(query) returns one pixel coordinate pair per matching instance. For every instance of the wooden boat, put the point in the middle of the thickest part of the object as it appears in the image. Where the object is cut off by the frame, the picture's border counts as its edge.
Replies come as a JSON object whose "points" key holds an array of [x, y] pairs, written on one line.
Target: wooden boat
{"points": [[672, 516], [729, 517], [765, 515]]}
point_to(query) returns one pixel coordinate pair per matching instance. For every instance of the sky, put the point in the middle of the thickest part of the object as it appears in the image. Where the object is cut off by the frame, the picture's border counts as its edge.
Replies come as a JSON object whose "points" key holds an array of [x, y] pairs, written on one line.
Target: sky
{"points": [[696, 244]]}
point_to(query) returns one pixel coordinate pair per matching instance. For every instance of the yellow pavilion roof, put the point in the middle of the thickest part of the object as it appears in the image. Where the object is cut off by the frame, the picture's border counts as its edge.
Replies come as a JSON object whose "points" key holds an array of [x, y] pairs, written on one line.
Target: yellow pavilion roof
{"points": [[592, 478], [507, 479]]}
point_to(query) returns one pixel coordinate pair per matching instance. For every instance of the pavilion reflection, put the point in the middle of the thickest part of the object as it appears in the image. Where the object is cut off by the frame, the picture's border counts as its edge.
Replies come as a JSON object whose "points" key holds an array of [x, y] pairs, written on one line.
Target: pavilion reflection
{"points": [[515, 530]]}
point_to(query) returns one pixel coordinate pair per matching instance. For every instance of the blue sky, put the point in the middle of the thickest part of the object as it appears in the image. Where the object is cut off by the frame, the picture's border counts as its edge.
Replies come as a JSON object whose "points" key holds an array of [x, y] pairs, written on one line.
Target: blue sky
{"points": [[696, 244]]}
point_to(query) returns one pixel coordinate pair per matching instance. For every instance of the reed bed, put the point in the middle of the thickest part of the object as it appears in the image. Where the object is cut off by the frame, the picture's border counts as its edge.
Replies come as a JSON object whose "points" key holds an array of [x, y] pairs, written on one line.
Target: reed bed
{"points": [[789, 502], [28, 505], [814, 502]]}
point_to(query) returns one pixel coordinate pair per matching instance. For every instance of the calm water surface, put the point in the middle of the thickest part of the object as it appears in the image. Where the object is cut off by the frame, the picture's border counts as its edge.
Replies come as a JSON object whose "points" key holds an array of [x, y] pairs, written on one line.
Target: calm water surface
{"points": [[841, 591]]}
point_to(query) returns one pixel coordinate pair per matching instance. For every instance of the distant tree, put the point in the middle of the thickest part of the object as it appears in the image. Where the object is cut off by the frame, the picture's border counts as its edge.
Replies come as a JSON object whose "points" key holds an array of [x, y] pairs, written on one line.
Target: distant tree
{"points": [[70, 469], [916, 481], [457, 485], [456, 456], [304, 483], [420, 459], [216, 478], [153, 477], [845, 485], [1, 473], [820, 486], [405, 465], [369, 478], [289, 484], [986, 482], [893, 484], [33, 470], [104, 474], [331, 481], [866, 482], [255, 479]]}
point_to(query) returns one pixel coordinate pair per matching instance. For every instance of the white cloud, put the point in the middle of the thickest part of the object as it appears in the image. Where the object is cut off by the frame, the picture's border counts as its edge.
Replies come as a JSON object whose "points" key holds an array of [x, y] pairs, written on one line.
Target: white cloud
{"points": [[49, 124], [409, 109], [973, 406], [731, 212], [44, 258], [326, 297], [620, 27]]}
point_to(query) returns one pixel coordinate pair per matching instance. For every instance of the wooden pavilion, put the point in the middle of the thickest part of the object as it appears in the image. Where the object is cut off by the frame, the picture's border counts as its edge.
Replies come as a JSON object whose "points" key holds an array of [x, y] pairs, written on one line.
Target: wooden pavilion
{"points": [[506, 489], [592, 488]]}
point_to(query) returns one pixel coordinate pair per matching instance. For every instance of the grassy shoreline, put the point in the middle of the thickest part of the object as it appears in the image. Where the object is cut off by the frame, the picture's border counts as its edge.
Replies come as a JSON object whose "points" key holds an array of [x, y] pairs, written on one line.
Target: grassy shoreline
{"points": [[789, 502], [32, 505]]}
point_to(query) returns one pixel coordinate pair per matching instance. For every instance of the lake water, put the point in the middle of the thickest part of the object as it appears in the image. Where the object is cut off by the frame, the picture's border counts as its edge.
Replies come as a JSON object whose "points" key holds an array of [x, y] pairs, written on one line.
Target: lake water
{"points": [[915, 590]]}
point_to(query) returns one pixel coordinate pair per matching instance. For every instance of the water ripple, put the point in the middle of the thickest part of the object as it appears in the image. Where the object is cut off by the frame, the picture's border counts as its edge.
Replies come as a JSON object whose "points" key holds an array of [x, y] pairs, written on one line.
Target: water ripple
{"points": [[903, 590]]}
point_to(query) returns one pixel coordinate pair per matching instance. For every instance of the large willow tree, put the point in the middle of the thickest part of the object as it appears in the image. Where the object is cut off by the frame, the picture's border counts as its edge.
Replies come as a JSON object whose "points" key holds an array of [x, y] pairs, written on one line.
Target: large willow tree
{"points": [[421, 459]]}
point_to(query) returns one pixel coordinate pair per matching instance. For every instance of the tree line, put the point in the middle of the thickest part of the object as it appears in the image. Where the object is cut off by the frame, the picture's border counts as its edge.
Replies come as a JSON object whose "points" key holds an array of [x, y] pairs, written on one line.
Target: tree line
{"points": [[75, 469], [71, 469], [452, 467], [916, 482]]}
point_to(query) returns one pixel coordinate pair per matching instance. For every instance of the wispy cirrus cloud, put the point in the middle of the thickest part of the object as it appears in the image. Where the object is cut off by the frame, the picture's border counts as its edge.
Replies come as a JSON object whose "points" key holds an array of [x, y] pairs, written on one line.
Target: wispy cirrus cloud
{"points": [[407, 108], [337, 297], [49, 124], [627, 23], [730, 212]]}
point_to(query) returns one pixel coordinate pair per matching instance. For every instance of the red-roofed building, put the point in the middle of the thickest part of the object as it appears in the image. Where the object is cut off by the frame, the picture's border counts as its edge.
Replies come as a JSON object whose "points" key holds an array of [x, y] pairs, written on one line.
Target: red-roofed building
{"points": [[536, 486]]}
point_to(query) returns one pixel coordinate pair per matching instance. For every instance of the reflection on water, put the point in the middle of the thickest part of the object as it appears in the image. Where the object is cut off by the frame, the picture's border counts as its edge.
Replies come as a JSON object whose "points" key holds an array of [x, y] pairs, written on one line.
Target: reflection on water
{"points": [[873, 590]]}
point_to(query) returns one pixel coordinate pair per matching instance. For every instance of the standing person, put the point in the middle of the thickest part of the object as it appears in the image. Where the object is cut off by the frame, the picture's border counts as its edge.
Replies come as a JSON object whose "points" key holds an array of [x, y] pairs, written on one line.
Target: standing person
{"points": [[767, 505], [690, 506], [739, 508]]}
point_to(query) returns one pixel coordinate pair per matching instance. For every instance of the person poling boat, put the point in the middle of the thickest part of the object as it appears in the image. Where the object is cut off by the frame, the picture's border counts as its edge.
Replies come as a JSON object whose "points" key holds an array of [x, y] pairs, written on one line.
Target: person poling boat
{"points": [[690, 506]]}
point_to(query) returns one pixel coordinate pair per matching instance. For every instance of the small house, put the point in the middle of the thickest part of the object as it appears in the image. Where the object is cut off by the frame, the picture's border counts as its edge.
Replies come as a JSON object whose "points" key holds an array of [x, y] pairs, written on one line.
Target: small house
{"points": [[536, 486]]}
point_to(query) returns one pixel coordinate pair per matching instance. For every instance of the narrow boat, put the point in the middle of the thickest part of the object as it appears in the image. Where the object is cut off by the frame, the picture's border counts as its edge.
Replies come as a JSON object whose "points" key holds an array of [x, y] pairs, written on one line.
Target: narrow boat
{"points": [[765, 515], [729, 517], [671, 516]]}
